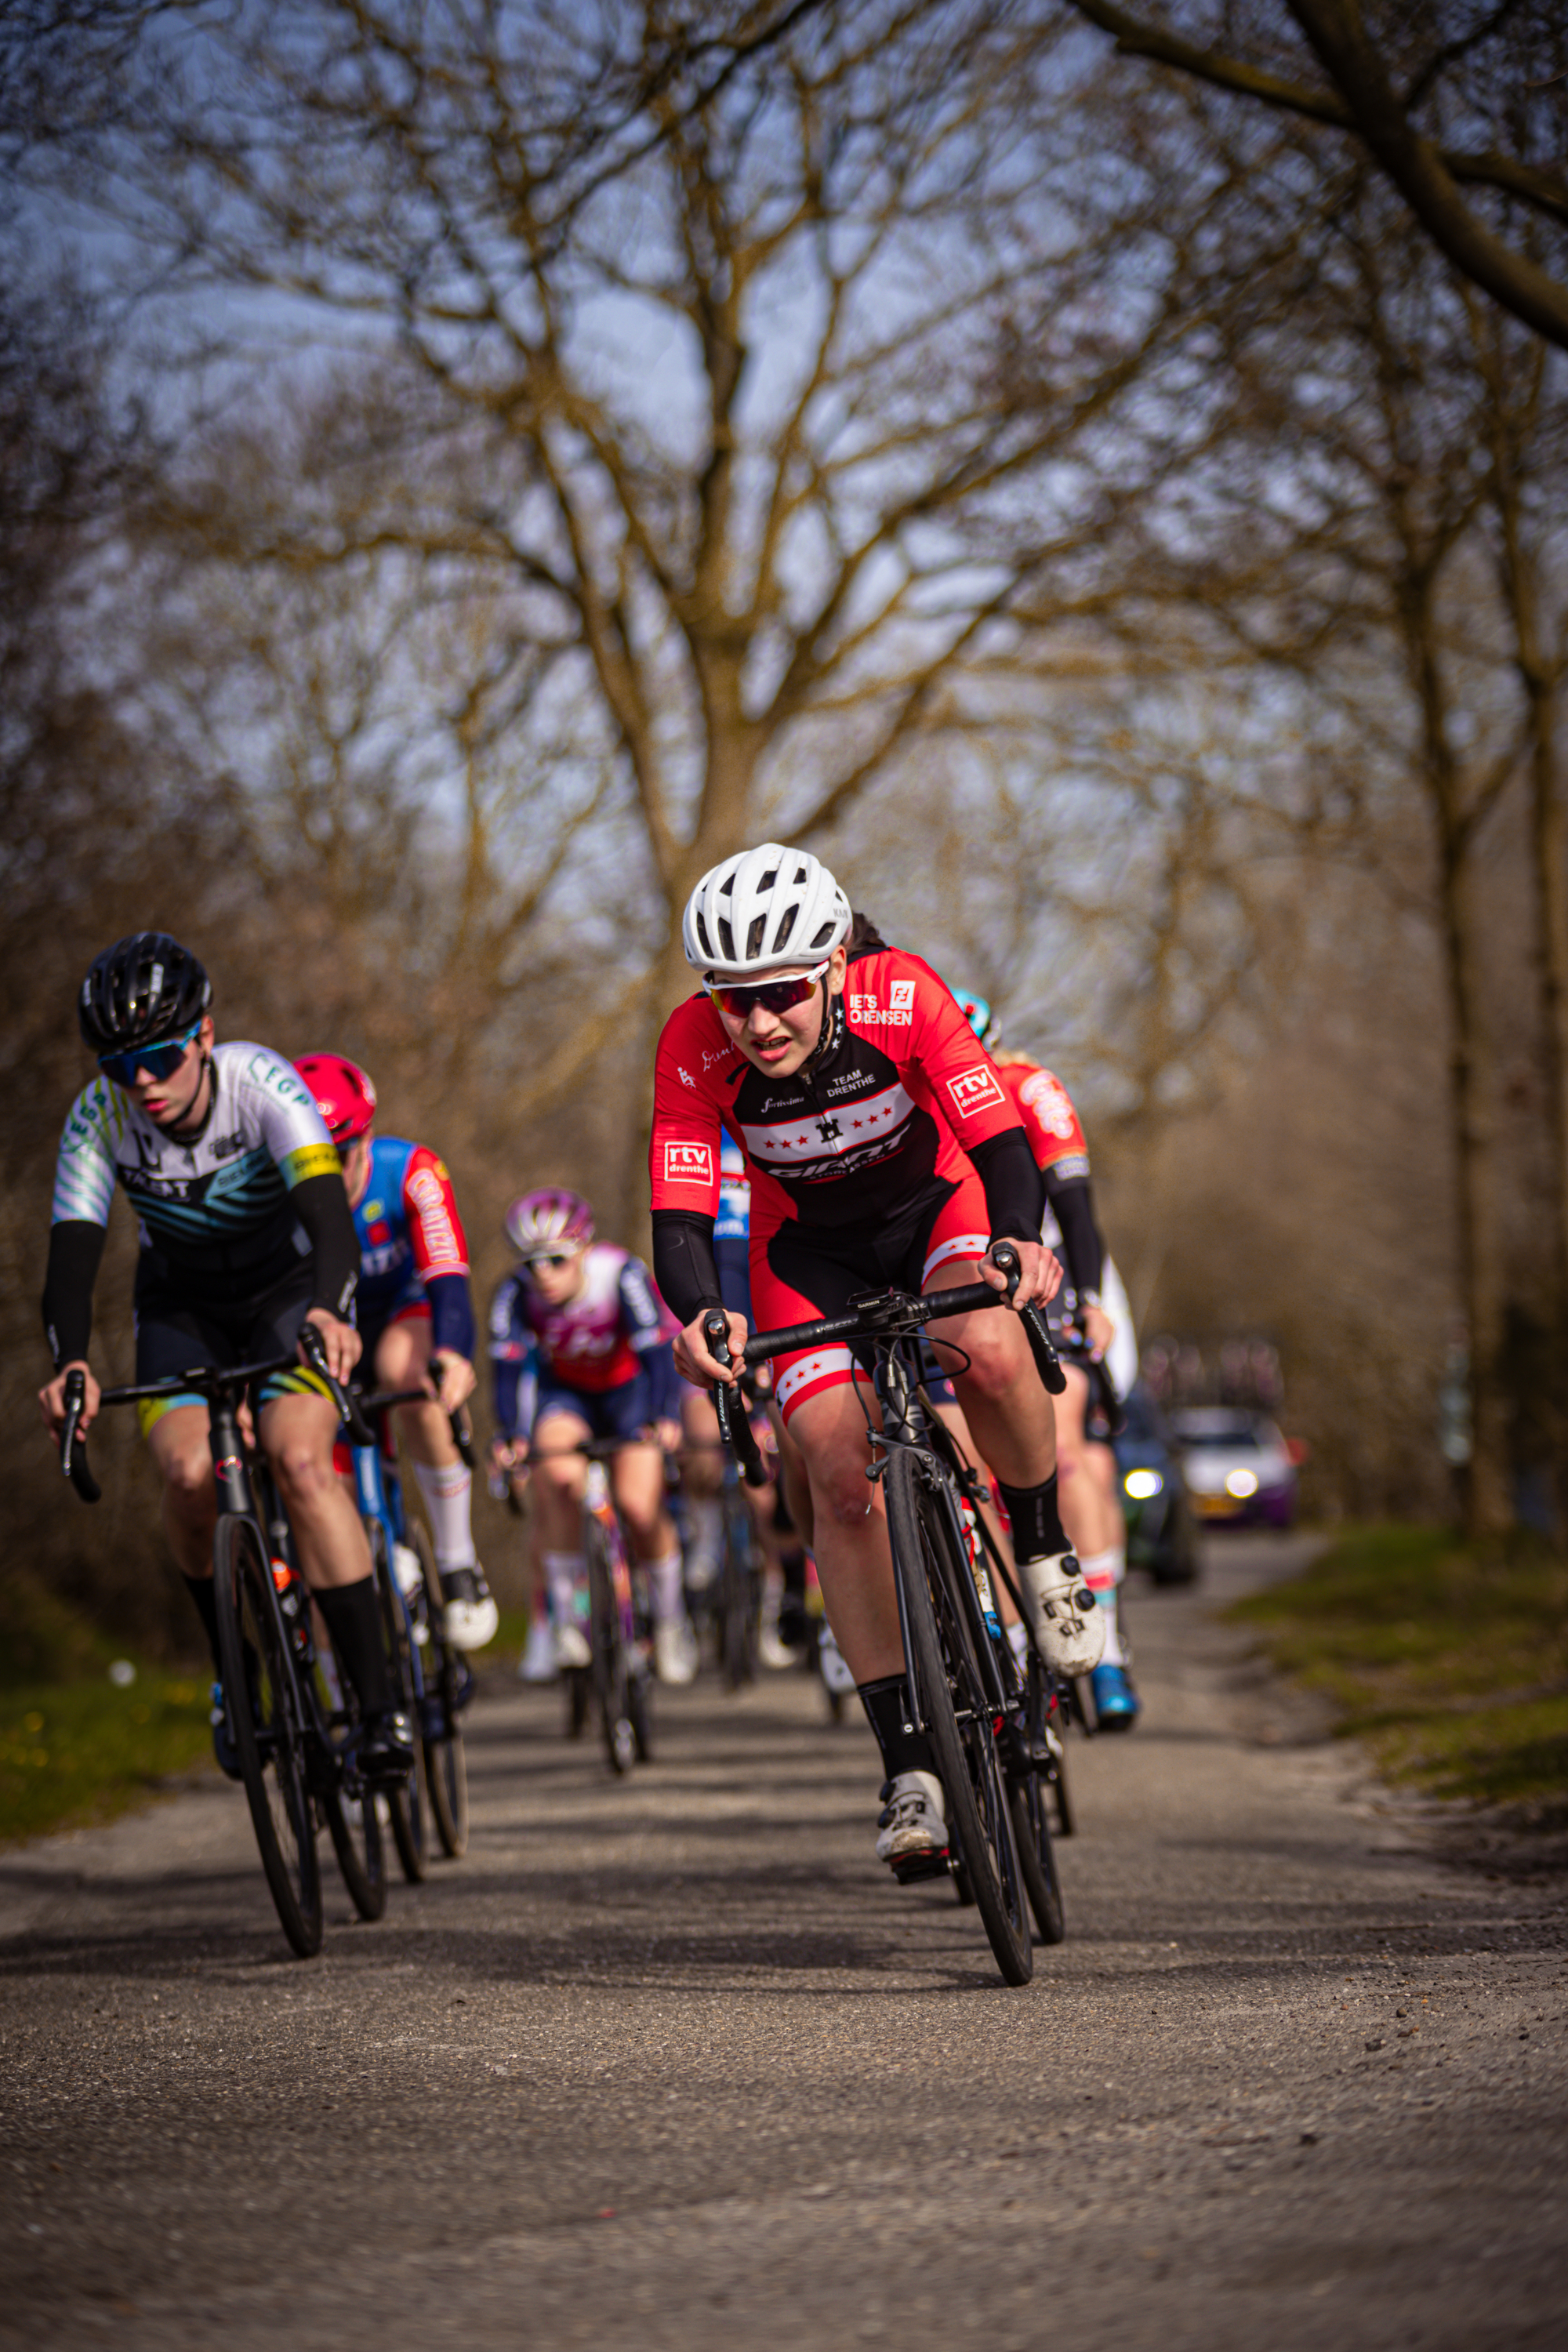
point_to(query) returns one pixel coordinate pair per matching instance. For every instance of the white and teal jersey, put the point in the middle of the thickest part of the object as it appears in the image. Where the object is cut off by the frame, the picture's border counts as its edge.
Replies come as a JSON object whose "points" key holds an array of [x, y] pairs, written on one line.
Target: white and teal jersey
{"points": [[213, 1210]]}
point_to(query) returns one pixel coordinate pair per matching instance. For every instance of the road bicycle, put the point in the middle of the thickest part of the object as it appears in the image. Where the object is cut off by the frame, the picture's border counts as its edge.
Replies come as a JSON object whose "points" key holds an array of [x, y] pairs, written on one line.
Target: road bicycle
{"points": [[432, 1680], [616, 1683], [987, 1717], [292, 1716]]}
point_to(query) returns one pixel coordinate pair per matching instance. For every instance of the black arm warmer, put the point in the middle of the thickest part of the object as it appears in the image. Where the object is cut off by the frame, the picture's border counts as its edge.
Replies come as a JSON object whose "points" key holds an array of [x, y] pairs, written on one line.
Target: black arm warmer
{"points": [[1014, 1195], [76, 1253], [1082, 1247], [322, 1207], [683, 1263]]}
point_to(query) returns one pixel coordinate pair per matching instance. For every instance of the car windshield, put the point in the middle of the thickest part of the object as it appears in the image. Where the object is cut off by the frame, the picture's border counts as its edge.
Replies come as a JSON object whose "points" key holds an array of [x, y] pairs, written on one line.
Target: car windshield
{"points": [[1139, 1418], [1230, 1430]]}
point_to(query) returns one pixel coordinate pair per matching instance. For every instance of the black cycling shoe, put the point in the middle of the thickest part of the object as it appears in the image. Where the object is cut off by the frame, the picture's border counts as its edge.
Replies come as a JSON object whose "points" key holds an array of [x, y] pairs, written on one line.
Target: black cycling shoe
{"points": [[386, 1747]]}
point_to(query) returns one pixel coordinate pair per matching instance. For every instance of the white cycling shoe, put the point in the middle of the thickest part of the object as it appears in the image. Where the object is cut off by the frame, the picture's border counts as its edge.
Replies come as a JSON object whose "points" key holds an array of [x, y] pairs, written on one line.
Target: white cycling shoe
{"points": [[1067, 1622], [675, 1651], [472, 1617], [913, 1824], [537, 1663], [570, 1647]]}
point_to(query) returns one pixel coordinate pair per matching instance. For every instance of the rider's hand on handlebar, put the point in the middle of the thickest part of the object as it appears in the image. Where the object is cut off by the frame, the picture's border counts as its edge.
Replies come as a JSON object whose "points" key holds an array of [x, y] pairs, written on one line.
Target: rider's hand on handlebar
{"points": [[53, 1398], [1097, 1330], [692, 1359], [1040, 1275], [341, 1340], [452, 1378]]}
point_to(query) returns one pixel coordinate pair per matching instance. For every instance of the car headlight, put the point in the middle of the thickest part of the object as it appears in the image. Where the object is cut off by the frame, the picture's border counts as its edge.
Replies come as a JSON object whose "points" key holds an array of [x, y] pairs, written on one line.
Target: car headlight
{"points": [[1142, 1484], [1241, 1482]]}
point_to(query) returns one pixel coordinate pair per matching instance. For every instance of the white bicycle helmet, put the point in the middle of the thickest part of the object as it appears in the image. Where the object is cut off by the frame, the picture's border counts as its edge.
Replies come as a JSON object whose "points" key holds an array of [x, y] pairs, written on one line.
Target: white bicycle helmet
{"points": [[761, 911]]}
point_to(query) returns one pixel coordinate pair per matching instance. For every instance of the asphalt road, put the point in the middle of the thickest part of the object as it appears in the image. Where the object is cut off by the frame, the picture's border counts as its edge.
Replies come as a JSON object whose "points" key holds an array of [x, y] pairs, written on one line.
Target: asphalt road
{"points": [[671, 2063]]}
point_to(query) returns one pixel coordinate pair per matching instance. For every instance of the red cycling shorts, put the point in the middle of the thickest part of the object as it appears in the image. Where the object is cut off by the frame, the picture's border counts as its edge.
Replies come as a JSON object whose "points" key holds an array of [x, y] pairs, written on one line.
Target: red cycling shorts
{"points": [[802, 1272]]}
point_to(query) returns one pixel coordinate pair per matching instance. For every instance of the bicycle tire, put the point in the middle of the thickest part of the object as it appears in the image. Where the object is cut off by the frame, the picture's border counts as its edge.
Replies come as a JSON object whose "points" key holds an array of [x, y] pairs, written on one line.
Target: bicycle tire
{"points": [[974, 1784], [268, 1721], [579, 1685], [446, 1759], [740, 1602], [353, 1825], [639, 1701], [608, 1663], [405, 1798], [1032, 1835]]}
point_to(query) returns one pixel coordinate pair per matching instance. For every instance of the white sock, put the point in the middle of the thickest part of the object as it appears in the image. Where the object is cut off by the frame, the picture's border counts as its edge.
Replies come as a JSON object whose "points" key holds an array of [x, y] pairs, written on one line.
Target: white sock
{"points": [[1018, 1637], [667, 1593], [566, 1574], [1103, 1571], [1114, 1654], [447, 1493], [706, 1519]]}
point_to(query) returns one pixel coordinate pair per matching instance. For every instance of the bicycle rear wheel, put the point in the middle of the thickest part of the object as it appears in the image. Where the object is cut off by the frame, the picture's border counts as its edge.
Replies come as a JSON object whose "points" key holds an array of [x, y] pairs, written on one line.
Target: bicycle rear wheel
{"points": [[354, 1827], [953, 1702], [266, 1714], [446, 1763], [611, 1680]]}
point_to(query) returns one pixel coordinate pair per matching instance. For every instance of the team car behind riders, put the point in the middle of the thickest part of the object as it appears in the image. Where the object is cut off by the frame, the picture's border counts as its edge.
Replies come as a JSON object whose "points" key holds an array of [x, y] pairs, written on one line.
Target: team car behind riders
{"points": [[1083, 1330], [581, 1349], [883, 1150], [245, 1234], [416, 1317]]}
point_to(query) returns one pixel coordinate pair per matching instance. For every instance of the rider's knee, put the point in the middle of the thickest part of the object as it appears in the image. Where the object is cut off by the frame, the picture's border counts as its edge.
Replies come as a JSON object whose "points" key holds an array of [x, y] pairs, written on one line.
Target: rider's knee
{"points": [[994, 1360], [841, 1492], [188, 1482], [303, 1471]]}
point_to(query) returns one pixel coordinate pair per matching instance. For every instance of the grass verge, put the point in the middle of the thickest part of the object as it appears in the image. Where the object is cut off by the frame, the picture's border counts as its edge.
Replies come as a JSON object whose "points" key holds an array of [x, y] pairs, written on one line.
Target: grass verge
{"points": [[1449, 1661], [84, 1751]]}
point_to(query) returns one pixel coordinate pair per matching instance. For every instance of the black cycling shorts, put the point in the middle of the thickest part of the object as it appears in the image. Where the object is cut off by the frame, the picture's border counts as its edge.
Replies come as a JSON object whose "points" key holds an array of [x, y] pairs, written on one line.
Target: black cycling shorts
{"points": [[177, 1333]]}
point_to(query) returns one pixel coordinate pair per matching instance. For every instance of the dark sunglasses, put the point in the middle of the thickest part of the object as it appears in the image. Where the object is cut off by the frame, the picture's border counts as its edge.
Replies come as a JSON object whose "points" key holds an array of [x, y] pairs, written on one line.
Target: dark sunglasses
{"points": [[773, 995], [158, 1061], [554, 1259]]}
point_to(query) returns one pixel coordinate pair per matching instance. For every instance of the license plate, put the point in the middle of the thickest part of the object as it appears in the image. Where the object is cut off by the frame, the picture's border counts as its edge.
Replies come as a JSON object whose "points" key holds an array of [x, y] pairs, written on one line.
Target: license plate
{"points": [[1214, 1506]]}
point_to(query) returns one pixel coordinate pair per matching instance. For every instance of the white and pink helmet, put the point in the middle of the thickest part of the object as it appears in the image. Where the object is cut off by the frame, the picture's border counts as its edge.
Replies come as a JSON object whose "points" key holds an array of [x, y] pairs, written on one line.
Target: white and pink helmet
{"points": [[541, 1223]]}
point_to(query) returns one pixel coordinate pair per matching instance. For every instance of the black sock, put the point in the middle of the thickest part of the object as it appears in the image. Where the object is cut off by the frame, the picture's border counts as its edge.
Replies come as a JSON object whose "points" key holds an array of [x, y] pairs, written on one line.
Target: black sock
{"points": [[887, 1703], [1037, 1522], [794, 1566], [353, 1617], [204, 1593]]}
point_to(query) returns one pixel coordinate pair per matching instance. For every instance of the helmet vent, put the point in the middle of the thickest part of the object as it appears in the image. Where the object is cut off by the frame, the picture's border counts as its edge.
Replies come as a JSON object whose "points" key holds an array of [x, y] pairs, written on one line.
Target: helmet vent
{"points": [[726, 939], [769, 879], [825, 935], [782, 936]]}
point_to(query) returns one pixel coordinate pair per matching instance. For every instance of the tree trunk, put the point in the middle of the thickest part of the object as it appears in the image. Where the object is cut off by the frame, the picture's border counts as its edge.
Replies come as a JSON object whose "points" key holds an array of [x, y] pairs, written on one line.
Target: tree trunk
{"points": [[1488, 1504]]}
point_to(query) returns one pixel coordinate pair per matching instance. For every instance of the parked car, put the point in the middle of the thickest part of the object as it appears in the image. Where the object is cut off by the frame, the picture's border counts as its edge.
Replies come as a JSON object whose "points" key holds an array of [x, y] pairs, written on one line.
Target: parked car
{"points": [[1240, 1471], [1160, 1534]]}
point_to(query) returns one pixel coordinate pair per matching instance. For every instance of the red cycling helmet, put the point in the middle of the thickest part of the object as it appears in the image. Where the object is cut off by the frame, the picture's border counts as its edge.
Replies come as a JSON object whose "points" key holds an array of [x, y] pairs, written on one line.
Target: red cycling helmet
{"points": [[344, 1096], [543, 1223]]}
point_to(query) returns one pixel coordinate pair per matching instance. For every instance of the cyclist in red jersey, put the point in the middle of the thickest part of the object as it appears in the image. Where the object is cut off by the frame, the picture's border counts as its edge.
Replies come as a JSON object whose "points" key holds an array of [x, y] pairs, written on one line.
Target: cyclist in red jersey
{"points": [[883, 1150], [1091, 1512]]}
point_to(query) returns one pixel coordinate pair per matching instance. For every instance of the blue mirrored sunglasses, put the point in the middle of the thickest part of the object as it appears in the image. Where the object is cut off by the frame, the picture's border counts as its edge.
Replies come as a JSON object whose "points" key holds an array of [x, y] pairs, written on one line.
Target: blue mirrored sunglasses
{"points": [[158, 1061]]}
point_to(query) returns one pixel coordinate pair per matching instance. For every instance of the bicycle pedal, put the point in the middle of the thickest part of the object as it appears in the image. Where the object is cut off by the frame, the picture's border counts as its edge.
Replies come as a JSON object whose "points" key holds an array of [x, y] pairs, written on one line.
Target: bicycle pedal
{"points": [[910, 1869]]}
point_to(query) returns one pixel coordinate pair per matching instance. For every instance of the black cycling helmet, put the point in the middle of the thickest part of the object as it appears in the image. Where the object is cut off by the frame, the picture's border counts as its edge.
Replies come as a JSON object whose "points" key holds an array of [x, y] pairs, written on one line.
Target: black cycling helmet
{"points": [[141, 991]]}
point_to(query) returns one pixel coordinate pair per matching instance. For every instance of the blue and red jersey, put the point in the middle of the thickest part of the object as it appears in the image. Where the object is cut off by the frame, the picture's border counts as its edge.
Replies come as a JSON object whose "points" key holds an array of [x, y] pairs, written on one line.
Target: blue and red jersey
{"points": [[615, 1330], [414, 1255]]}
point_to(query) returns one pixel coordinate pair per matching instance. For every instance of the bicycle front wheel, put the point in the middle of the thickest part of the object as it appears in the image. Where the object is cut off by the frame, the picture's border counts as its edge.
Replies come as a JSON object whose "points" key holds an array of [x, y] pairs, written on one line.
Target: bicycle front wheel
{"points": [[446, 1764], [611, 1680], [405, 1798], [957, 1714], [265, 1713]]}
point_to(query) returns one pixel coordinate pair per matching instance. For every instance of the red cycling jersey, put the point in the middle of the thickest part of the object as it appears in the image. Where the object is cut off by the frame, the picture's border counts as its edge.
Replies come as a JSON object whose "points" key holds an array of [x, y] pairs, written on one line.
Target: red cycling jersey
{"points": [[1050, 1122], [886, 1110]]}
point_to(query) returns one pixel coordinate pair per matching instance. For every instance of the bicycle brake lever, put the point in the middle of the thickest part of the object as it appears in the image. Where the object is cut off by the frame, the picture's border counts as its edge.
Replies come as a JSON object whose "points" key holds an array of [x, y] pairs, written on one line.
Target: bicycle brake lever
{"points": [[1005, 1258], [73, 1446], [462, 1436], [348, 1406], [733, 1427]]}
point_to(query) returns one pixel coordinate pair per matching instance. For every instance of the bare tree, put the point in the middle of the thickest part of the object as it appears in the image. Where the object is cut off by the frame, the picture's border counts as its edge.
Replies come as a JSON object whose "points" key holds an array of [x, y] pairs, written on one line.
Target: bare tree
{"points": [[1397, 80]]}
